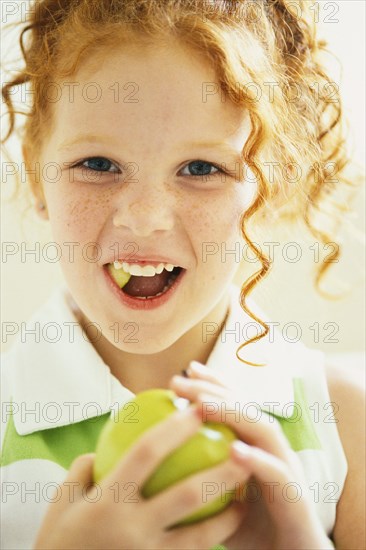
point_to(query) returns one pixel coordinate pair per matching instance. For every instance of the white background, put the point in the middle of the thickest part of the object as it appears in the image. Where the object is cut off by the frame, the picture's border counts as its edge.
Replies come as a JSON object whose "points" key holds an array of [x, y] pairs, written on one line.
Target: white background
{"points": [[287, 295]]}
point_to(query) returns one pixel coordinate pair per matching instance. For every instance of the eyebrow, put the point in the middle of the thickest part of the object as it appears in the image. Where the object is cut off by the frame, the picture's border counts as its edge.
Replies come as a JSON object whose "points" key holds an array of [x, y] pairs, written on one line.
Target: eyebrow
{"points": [[85, 138], [224, 147], [94, 138]]}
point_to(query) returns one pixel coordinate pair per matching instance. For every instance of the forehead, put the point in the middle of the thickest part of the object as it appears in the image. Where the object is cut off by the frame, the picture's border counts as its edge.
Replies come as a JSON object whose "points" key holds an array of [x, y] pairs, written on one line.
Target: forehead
{"points": [[132, 91]]}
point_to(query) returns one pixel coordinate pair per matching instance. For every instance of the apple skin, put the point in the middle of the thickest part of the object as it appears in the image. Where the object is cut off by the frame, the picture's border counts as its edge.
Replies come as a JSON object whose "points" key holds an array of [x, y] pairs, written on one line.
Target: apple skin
{"points": [[119, 275], [208, 447]]}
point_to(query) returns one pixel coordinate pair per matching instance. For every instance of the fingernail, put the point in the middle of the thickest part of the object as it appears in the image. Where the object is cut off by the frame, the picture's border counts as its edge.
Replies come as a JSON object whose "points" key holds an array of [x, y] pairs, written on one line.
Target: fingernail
{"points": [[241, 449], [196, 366], [179, 380]]}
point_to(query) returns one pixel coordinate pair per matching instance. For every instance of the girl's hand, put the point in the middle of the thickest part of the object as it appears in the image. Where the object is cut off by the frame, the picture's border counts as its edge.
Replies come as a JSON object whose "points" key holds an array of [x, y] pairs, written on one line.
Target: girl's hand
{"points": [[95, 518], [275, 519]]}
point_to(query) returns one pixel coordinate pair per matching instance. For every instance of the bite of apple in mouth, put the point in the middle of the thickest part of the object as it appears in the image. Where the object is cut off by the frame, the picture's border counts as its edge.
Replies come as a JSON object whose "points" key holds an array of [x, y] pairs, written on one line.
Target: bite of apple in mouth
{"points": [[143, 281]]}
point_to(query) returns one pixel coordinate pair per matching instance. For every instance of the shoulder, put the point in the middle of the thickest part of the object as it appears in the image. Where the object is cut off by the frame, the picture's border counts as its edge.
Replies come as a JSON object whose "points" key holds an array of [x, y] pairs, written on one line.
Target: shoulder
{"points": [[347, 393]]}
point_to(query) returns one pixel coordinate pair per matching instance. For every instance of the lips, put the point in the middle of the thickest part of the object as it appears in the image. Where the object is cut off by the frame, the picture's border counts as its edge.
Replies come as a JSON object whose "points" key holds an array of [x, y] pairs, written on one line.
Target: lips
{"points": [[143, 304]]}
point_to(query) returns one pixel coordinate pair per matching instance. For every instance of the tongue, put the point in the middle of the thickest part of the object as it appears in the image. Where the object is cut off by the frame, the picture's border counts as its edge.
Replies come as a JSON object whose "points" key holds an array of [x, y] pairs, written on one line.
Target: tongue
{"points": [[146, 286]]}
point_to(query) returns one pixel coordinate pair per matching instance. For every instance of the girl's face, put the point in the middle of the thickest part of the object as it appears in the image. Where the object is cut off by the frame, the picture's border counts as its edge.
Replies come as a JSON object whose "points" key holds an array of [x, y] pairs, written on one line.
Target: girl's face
{"points": [[151, 114]]}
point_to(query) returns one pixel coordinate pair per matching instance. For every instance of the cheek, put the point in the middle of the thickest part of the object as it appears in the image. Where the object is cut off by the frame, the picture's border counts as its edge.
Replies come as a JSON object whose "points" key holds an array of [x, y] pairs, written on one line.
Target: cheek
{"points": [[216, 218], [78, 215], [77, 219], [215, 232]]}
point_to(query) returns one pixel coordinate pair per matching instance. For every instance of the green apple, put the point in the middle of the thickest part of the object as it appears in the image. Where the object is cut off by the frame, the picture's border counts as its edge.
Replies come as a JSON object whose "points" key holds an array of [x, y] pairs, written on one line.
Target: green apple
{"points": [[118, 275], [208, 447]]}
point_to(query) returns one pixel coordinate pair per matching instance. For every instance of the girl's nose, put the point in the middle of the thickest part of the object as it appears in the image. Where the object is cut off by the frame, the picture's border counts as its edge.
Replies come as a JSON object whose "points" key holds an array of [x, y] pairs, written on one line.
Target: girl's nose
{"points": [[145, 213]]}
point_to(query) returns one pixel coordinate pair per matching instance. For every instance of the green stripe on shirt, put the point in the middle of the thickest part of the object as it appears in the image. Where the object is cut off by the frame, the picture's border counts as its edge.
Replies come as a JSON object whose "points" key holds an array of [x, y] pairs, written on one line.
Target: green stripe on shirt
{"points": [[63, 444], [299, 428]]}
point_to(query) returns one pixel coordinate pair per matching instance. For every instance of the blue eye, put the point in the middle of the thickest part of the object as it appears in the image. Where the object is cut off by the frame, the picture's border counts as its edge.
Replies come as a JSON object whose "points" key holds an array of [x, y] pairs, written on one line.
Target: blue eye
{"points": [[200, 168], [99, 164], [196, 169]]}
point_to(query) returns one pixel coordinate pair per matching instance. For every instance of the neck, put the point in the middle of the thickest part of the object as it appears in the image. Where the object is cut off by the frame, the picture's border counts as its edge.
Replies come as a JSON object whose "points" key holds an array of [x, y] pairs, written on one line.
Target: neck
{"points": [[139, 372]]}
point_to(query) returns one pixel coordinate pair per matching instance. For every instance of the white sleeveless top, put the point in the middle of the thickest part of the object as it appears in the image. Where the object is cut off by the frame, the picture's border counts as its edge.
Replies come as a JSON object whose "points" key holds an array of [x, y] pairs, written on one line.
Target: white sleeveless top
{"points": [[293, 387], [43, 375]]}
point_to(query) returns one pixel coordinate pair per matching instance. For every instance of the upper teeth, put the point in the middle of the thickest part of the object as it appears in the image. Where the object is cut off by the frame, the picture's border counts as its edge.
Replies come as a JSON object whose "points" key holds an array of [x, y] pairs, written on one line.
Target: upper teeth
{"points": [[144, 271]]}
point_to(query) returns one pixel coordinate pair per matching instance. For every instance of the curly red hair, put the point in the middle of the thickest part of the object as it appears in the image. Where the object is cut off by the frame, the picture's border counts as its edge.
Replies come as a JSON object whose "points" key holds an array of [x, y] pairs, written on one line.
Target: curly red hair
{"points": [[269, 46]]}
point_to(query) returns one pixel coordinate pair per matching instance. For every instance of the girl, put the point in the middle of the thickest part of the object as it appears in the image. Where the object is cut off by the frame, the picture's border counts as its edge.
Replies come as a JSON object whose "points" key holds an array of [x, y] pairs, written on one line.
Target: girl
{"points": [[160, 118]]}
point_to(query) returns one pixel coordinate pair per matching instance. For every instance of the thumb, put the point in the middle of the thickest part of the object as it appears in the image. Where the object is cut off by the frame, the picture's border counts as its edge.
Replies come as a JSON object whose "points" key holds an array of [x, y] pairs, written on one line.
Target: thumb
{"points": [[78, 479], [74, 486], [81, 473], [81, 469]]}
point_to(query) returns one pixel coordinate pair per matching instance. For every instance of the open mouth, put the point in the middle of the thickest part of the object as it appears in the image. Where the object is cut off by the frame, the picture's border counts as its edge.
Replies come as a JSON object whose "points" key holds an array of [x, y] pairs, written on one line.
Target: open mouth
{"points": [[149, 284]]}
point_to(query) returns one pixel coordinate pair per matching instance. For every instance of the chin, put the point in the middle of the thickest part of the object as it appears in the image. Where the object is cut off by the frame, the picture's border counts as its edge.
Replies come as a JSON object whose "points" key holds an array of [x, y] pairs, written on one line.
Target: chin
{"points": [[144, 346]]}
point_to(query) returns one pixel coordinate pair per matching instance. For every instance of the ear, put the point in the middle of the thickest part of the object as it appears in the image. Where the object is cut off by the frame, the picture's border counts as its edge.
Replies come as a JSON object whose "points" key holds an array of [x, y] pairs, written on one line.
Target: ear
{"points": [[33, 176]]}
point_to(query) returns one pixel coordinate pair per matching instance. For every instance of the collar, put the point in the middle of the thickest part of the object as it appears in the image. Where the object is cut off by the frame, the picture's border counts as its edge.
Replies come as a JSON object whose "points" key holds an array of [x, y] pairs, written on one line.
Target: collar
{"points": [[268, 387], [58, 378]]}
